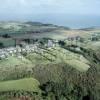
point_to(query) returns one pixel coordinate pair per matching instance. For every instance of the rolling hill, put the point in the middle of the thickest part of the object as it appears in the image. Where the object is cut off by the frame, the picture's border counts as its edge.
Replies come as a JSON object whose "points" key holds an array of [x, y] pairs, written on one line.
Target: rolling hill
{"points": [[68, 71]]}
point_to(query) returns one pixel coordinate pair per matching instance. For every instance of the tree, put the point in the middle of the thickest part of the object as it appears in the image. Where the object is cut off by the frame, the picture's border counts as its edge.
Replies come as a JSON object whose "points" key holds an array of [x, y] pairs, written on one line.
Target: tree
{"points": [[62, 43], [1, 45], [27, 40], [5, 36]]}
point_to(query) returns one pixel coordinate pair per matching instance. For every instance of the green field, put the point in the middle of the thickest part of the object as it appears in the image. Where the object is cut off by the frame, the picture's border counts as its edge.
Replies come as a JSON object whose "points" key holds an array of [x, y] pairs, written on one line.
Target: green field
{"points": [[26, 84], [7, 42], [59, 55], [13, 67]]}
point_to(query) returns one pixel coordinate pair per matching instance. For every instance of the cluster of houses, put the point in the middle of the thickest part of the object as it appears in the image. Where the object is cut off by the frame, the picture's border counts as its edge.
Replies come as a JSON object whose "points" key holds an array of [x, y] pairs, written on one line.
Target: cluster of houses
{"points": [[28, 48], [74, 38], [95, 36], [92, 37], [16, 51]]}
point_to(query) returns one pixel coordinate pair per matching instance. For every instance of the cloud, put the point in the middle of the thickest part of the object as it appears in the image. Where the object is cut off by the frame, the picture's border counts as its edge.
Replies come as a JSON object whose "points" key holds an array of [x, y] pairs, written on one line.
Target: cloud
{"points": [[31, 7]]}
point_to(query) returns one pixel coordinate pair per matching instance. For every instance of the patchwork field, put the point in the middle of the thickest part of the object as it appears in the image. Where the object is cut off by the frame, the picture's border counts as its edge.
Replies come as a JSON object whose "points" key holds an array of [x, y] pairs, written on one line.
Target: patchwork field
{"points": [[69, 70]]}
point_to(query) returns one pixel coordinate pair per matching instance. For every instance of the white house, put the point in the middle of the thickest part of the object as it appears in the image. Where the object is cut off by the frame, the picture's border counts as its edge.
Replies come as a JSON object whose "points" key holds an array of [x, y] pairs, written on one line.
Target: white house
{"points": [[2, 56], [50, 43]]}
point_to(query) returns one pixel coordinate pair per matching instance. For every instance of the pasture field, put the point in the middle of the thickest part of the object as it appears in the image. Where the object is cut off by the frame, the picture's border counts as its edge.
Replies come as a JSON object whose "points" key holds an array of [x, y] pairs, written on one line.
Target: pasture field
{"points": [[26, 84], [13, 67], [58, 55], [13, 61], [7, 42]]}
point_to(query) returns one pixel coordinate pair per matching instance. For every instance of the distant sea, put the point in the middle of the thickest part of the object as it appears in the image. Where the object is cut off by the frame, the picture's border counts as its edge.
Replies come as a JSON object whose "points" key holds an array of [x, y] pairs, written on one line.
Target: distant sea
{"points": [[72, 21], [69, 20]]}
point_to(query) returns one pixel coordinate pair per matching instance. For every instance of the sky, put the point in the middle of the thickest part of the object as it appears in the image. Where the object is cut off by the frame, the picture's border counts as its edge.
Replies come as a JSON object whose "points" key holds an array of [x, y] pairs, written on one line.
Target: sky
{"points": [[73, 13]]}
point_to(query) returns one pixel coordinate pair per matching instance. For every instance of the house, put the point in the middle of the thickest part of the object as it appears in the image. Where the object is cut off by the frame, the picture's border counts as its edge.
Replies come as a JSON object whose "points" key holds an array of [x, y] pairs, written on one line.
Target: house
{"points": [[77, 49], [73, 37], [23, 50], [95, 36], [2, 56], [52, 43], [19, 56], [18, 49], [15, 51]]}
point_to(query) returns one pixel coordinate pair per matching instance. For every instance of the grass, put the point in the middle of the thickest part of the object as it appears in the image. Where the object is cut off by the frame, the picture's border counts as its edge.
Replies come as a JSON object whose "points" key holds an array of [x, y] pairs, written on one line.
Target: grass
{"points": [[7, 42], [75, 60], [13, 61], [36, 58], [12, 67], [79, 65], [26, 84], [60, 55], [94, 45]]}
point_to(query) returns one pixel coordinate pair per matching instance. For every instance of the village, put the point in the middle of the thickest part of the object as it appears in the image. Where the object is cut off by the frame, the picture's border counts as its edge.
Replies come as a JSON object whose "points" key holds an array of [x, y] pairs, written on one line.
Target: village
{"points": [[18, 50], [26, 48]]}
